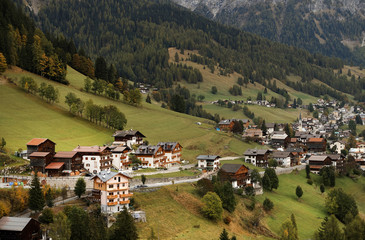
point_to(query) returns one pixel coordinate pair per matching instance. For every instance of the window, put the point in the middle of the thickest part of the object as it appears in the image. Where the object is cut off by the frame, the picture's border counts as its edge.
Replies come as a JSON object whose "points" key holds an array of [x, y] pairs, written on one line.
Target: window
{"points": [[123, 184], [92, 158], [86, 158], [118, 179], [111, 185], [110, 193], [118, 185], [115, 178], [87, 165]]}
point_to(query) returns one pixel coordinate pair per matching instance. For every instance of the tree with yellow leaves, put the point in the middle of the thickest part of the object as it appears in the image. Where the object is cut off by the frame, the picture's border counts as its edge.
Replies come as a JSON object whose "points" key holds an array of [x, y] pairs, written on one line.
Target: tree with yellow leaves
{"points": [[3, 64]]}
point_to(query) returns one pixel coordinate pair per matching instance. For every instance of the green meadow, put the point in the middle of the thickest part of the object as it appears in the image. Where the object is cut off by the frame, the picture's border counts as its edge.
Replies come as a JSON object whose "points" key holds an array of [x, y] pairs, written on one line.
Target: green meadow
{"points": [[35, 118]]}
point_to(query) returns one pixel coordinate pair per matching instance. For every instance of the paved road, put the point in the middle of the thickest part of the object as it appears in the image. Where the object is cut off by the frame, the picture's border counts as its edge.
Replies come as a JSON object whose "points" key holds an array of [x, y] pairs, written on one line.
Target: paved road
{"points": [[170, 170]]}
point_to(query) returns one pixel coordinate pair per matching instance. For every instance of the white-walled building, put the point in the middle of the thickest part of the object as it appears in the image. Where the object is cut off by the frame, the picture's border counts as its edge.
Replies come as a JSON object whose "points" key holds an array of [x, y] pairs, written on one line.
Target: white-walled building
{"points": [[283, 158], [111, 189], [338, 145], [128, 138], [208, 162], [95, 158], [172, 152], [120, 156], [151, 156]]}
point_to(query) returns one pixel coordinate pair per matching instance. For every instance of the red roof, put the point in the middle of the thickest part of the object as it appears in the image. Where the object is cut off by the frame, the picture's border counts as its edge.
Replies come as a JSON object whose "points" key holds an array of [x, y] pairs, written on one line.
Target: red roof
{"points": [[316, 140], [55, 165], [36, 141], [92, 149], [39, 154], [65, 154]]}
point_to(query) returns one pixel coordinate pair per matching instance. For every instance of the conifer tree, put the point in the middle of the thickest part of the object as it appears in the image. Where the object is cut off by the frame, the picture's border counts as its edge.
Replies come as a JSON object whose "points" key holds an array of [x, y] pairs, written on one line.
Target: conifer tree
{"points": [[36, 198], [299, 192], [3, 64], [80, 187], [124, 227]]}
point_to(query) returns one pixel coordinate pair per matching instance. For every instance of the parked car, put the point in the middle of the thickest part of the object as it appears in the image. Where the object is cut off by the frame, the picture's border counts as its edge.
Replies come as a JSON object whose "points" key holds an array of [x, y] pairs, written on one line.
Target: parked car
{"points": [[135, 168]]}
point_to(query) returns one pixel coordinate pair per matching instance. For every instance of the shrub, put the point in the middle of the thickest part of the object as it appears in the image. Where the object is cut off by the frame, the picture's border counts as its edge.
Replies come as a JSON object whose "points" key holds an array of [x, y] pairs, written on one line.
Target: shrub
{"points": [[268, 205], [212, 206], [227, 220], [250, 206], [310, 181], [250, 191]]}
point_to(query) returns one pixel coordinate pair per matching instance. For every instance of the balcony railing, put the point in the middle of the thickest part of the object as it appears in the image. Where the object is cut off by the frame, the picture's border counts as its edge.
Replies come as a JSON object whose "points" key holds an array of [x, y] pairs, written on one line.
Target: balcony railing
{"points": [[126, 195], [124, 202], [112, 196], [112, 203]]}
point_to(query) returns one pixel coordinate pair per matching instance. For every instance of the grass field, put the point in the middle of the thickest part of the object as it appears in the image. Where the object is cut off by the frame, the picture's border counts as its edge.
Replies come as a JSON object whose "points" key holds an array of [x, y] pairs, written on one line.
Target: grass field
{"points": [[309, 210], [156, 123], [276, 115]]}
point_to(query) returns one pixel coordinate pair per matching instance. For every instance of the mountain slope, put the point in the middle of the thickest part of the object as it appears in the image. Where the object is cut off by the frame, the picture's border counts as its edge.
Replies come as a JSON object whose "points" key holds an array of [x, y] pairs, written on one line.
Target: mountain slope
{"points": [[331, 27]]}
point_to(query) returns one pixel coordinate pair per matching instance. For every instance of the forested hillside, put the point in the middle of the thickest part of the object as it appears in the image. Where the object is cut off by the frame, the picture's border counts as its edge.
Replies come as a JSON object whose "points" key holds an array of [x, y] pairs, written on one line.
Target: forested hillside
{"points": [[135, 37], [333, 28]]}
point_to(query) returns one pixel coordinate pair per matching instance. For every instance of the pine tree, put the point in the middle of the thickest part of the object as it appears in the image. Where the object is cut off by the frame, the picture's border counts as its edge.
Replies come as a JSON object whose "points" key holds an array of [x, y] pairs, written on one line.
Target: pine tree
{"points": [[148, 99], [124, 227], [299, 192], [329, 230], [224, 235], [80, 187], [307, 171], [266, 184], [143, 179], [36, 198], [49, 198]]}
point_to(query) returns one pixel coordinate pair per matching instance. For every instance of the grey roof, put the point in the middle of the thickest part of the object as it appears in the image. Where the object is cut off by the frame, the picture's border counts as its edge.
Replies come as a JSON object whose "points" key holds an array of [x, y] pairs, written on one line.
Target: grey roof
{"points": [[335, 157], [168, 146], [226, 121], [280, 154], [293, 149], [14, 223], [207, 157], [319, 158], [127, 133], [255, 152], [270, 125], [120, 149], [105, 176], [147, 150], [232, 168]]}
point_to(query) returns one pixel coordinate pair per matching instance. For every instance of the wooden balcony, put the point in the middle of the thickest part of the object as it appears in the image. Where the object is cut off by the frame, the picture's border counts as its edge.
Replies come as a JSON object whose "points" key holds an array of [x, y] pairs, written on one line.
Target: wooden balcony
{"points": [[112, 203], [126, 195], [124, 202], [112, 196]]}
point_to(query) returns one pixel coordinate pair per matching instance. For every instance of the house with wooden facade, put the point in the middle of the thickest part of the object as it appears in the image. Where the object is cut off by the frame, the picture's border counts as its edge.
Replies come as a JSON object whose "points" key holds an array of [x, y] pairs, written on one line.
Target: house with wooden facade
{"points": [[208, 162], [151, 156], [95, 158], [111, 189], [257, 157], [337, 161], [120, 156], [72, 161], [41, 145], [316, 162], [316, 145], [280, 139], [252, 133], [173, 152], [237, 174], [16, 228], [226, 125], [55, 169], [128, 137], [39, 161]]}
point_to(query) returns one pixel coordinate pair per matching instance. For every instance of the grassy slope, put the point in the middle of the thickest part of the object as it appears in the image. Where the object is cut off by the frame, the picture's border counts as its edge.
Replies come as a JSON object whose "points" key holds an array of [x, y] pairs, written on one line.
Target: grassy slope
{"points": [[223, 83], [24, 117], [156, 123], [309, 211]]}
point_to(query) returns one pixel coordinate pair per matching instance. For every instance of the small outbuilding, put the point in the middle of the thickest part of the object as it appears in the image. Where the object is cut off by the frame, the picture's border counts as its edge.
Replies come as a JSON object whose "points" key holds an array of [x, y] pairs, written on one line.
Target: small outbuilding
{"points": [[15, 228]]}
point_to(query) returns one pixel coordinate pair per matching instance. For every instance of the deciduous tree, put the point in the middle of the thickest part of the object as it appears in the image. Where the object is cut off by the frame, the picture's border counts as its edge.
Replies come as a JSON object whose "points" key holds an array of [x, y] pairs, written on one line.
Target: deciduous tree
{"points": [[212, 206]]}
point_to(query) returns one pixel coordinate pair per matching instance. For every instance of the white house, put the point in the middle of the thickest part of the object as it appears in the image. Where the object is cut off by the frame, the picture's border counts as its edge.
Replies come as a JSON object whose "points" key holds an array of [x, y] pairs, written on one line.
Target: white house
{"points": [[283, 158], [128, 137], [208, 162], [257, 157], [95, 158], [111, 189], [172, 152], [151, 156], [120, 156]]}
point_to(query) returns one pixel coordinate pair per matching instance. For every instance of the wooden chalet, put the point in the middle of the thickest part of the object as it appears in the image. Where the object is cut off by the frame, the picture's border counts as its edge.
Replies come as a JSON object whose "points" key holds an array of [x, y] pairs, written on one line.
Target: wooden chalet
{"points": [[280, 139], [151, 156], [257, 157], [40, 145], [316, 162], [286, 158], [237, 174], [16, 228], [253, 133], [55, 169], [128, 137], [172, 152], [337, 161], [72, 160], [226, 125], [316, 145], [39, 160]]}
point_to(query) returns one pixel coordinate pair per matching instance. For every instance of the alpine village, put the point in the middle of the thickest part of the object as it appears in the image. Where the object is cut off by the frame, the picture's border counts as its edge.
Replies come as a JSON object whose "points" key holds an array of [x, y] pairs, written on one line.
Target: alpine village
{"points": [[182, 119]]}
